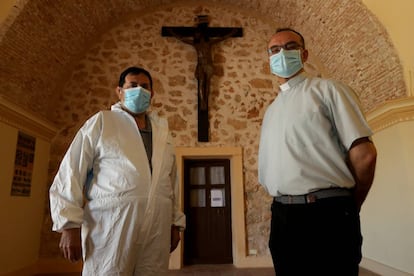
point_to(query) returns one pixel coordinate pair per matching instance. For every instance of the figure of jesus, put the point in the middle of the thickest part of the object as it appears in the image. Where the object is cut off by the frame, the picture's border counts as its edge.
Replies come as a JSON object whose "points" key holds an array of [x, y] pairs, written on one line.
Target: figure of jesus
{"points": [[203, 43], [202, 38]]}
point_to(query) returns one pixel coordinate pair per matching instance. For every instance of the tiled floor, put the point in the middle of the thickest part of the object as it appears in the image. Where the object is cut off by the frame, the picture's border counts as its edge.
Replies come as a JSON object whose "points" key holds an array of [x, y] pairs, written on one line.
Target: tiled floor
{"points": [[219, 270]]}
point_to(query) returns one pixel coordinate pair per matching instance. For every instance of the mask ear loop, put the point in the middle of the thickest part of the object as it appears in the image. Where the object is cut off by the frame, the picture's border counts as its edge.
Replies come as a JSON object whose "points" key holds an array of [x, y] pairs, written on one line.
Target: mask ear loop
{"points": [[119, 92]]}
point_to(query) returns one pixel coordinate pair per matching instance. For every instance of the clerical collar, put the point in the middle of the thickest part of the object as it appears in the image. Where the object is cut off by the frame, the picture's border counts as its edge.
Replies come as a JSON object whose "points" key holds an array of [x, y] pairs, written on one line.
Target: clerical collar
{"points": [[293, 82]]}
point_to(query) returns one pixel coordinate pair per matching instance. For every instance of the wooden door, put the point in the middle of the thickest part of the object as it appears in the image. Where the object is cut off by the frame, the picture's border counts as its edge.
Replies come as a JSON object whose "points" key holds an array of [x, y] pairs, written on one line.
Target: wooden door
{"points": [[207, 205]]}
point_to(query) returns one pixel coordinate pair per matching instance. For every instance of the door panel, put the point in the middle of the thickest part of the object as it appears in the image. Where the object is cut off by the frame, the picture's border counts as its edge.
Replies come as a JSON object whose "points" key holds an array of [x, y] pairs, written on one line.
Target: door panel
{"points": [[207, 205]]}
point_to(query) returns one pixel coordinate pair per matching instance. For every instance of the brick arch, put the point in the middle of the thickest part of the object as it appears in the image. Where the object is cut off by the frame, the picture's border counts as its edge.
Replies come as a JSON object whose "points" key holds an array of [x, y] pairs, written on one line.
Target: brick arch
{"points": [[40, 43]]}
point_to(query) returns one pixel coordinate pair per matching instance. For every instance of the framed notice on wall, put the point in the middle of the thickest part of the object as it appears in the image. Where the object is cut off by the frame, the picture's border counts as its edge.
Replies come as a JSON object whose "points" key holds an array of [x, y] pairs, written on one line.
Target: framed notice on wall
{"points": [[23, 165]]}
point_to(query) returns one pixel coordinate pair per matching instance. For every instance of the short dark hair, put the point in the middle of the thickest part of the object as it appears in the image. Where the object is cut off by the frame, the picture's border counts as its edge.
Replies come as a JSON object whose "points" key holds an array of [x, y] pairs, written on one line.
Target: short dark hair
{"points": [[279, 30], [134, 71]]}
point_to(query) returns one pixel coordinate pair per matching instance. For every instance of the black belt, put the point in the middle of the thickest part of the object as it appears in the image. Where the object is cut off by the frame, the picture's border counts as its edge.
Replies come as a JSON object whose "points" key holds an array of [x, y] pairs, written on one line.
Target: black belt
{"points": [[313, 196]]}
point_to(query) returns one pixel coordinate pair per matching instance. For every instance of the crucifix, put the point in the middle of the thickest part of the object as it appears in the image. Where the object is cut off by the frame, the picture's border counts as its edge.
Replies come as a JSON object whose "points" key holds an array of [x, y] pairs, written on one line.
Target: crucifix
{"points": [[202, 38]]}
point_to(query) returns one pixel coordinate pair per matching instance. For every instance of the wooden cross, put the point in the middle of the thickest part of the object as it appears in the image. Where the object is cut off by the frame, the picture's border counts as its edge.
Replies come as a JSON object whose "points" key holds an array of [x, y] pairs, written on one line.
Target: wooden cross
{"points": [[202, 38]]}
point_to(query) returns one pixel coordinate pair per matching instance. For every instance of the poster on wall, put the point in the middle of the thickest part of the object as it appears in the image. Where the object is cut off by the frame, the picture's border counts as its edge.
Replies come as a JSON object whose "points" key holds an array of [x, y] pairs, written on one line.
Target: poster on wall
{"points": [[23, 165]]}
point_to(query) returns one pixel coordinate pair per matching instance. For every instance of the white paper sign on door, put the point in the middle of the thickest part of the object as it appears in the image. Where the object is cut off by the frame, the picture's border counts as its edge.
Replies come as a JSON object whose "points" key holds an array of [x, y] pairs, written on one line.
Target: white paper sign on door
{"points": [[217, 198]]}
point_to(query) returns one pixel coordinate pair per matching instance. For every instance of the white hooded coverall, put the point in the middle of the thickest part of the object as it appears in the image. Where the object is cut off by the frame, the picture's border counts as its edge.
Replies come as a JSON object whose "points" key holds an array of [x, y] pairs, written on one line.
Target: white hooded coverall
{"points": [[104, 185]]}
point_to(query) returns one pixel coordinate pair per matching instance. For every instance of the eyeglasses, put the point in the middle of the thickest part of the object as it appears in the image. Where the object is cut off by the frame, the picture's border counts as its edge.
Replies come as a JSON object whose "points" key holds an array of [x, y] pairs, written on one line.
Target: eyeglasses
{"points": [[291, 45]]}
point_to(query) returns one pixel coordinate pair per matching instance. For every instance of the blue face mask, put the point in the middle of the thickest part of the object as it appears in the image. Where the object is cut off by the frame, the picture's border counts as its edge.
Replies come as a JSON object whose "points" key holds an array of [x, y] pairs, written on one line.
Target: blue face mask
{"points": [[137, 99], [286, 63]]}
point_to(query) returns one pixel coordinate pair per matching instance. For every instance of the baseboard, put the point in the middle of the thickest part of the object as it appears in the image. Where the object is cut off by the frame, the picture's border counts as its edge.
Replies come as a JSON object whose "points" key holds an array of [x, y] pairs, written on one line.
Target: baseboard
{"points": [[26, 271], [253, 262], [45, 266], [382, 269]]}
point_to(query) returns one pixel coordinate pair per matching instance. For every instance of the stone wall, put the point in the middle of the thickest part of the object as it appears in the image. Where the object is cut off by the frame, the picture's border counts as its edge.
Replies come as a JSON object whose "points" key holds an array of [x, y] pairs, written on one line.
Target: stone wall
{"points": [[241, 89]]}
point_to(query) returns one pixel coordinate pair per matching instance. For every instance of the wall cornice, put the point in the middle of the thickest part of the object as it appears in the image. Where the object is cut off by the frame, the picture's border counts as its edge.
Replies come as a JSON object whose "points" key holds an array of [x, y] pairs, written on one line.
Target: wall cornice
{"points": [[26, 121], [390, 113]]}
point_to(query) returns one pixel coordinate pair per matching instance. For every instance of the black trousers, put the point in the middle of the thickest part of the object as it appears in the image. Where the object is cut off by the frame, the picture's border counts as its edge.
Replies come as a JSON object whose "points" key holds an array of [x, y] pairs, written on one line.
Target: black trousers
{"points": [[320, 238]]}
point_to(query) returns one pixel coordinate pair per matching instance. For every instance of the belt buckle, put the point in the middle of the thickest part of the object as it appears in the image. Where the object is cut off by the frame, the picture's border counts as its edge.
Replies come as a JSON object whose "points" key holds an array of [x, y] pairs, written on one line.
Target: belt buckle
{"points": [[310, 198]]}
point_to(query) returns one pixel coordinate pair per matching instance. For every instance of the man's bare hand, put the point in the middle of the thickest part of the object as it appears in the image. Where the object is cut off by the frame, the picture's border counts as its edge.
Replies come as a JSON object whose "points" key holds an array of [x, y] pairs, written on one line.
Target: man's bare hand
{"points": [[70, 244], [175, 238]]}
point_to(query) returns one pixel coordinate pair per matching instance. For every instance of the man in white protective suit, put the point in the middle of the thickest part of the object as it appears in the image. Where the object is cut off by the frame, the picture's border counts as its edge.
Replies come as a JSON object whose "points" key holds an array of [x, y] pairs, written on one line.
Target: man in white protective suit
{"points": [[117, 184]]}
